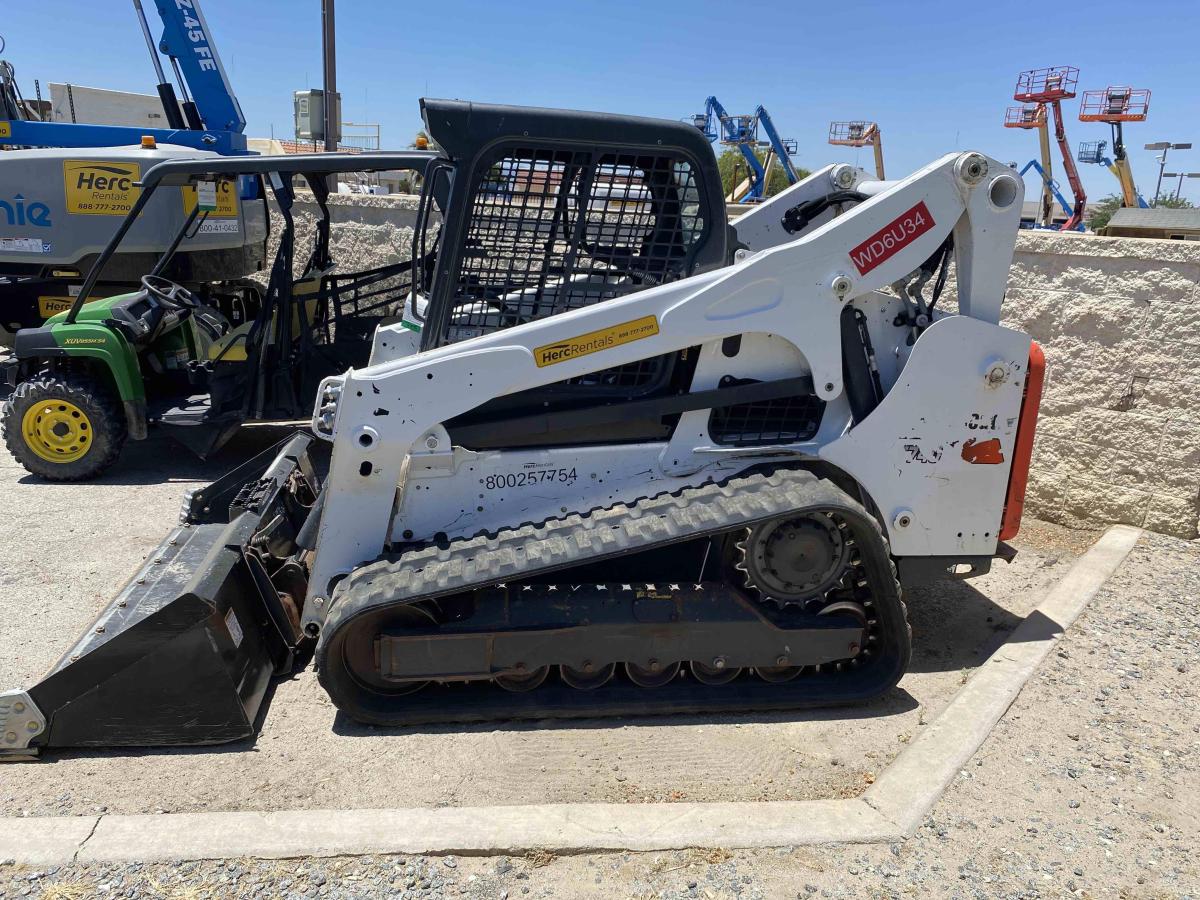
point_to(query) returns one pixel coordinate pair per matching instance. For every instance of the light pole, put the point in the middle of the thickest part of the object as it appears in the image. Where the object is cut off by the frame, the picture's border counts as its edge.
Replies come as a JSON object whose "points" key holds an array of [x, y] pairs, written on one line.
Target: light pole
{"points": [[329, 106], [329, 64], [1181, 176], [1164, 146]]}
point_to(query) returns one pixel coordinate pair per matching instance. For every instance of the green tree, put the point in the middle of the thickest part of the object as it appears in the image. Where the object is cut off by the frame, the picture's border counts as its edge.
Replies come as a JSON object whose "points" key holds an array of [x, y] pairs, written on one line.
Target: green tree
{"points": [[733, 168], [1171, 202], [1103, 209]]}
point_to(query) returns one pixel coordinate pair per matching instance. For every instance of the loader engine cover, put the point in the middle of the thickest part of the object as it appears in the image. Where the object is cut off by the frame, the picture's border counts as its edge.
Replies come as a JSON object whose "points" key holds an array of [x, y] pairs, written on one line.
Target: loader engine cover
{"points": [[59, 208]]}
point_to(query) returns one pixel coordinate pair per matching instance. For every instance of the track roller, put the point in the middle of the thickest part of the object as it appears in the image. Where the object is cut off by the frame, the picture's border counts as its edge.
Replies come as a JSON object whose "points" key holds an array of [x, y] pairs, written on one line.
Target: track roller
{"points": [[717, 673], [777, 674], [520, 680], [588, 678], [651, 676]]}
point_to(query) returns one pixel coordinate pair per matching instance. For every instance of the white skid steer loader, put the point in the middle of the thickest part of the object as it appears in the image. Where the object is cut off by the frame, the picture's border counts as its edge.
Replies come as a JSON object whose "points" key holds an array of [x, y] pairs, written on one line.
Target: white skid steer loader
{"points": [[617, 457]]}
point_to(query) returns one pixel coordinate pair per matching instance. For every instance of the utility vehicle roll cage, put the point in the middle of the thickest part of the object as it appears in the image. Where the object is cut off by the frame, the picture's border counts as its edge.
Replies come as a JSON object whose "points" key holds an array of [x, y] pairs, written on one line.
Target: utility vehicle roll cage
{"points": [[278, 171]]}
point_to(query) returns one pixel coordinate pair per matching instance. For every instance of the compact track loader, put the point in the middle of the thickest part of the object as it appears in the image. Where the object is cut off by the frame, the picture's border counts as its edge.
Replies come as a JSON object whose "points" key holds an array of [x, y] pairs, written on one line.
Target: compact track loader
{"points": [[616, 458]]}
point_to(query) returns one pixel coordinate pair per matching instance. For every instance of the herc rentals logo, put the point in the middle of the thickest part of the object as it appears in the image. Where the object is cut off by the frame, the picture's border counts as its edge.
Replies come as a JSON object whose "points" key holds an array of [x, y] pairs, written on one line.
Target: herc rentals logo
{"points": [[100, 187], [595, 341]]}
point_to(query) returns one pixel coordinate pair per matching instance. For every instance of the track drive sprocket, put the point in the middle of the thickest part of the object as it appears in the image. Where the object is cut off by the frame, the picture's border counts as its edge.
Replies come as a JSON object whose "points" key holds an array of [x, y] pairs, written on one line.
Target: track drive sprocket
{"points": [[794, 560]]}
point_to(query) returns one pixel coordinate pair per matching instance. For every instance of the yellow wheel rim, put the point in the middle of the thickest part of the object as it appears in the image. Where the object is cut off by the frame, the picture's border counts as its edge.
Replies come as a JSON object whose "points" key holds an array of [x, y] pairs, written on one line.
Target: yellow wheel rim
{"points": [[57, 430]]}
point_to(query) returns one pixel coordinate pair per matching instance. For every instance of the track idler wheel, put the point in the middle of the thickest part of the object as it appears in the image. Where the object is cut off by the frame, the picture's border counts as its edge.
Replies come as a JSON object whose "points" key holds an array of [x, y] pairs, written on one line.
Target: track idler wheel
{"points": [[652, 676], [359, 646], [589, 678]]}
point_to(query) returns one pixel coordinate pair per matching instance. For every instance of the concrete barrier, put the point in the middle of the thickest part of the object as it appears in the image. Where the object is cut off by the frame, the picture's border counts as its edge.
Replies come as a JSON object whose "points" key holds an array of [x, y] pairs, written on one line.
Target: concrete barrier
{"points": [[1119, 435]]}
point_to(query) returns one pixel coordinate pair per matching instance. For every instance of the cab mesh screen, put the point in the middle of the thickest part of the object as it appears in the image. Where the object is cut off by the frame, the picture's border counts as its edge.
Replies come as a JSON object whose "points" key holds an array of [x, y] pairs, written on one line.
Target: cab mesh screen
{"points": [[556, 230]]}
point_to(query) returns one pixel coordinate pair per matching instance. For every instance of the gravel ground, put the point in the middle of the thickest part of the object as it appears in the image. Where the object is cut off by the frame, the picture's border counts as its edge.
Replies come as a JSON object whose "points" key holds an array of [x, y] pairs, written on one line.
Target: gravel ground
{"points": [[1088, 787]]}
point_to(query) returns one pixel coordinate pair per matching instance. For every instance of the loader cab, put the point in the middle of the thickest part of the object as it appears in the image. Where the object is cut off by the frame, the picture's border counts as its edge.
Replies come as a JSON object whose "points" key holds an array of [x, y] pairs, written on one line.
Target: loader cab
{"points": [[548, 211]]}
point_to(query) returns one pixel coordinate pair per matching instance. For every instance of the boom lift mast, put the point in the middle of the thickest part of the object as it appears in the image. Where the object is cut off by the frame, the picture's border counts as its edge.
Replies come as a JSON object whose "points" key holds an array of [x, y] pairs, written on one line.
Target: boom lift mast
{"points": [[211, 118], [1049, 86], [1030, 116], [1115, 105], [859, 134]]}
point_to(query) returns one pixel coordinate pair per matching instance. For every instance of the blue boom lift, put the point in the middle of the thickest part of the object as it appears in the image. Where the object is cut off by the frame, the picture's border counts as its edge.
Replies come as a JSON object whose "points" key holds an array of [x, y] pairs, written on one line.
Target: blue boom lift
{"points": [[742, 132], [65, 187], [210, 118]]}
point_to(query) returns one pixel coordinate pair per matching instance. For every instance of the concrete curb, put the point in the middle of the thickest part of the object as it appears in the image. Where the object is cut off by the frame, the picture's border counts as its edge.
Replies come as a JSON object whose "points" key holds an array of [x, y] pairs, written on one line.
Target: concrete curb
{"points": [[912, 784], [889, 811]]}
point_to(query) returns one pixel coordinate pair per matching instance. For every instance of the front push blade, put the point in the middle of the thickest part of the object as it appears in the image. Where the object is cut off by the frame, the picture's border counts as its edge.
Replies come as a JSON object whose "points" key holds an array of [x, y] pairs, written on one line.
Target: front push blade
{"points": [[185, 653]]}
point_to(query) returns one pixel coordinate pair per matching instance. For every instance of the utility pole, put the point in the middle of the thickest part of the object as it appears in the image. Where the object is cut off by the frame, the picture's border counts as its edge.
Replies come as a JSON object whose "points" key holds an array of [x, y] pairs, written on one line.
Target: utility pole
{"points": [[329, 61]]}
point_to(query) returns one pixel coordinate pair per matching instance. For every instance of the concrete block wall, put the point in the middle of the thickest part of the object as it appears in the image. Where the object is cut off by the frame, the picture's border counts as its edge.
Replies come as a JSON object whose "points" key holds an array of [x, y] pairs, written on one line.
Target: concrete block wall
{"points": [[367, 230], [1118, 438], [1119, 318]]}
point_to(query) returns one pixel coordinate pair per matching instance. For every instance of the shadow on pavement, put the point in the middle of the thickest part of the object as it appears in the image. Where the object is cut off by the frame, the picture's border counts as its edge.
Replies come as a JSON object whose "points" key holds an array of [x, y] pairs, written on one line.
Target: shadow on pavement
{"points": [[894, 702], [954, 626], [159, 459]]}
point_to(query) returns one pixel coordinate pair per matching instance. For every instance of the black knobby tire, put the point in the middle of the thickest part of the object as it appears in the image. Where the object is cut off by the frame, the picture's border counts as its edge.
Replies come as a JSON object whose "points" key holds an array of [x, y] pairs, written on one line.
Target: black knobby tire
{"points": [[106, 425]]}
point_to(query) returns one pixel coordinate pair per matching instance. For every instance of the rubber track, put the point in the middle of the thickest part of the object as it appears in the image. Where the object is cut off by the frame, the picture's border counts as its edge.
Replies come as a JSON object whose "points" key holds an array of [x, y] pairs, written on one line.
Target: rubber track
{"points": [[558, 544], [579, 538]]}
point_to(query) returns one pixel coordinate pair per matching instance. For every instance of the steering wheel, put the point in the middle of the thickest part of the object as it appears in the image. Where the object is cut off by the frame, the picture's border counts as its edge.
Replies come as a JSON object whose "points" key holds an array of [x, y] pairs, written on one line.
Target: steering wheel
{"points": [[168, 293]]}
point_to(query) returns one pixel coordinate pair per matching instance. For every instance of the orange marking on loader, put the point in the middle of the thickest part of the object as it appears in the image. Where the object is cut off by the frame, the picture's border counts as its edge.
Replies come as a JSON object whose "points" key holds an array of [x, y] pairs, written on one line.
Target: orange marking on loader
{"points": [[985, 454]]}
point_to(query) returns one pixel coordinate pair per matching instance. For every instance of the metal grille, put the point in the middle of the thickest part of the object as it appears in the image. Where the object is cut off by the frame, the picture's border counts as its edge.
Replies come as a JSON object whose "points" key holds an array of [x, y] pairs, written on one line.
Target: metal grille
{"points": [[787, 420], [377, 292], [556, 230], [350, 306]]}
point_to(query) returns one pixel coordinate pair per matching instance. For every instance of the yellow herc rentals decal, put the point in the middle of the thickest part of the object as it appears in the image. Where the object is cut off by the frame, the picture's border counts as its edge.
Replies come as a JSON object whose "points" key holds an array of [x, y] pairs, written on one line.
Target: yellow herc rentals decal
{"points": [[5, 129], [99, 187], [49, 306], [595, 341]]}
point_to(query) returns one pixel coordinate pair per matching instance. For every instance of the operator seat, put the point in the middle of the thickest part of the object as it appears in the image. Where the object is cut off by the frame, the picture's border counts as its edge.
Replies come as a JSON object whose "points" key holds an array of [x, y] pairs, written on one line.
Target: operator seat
{"points": [[231, 346]]}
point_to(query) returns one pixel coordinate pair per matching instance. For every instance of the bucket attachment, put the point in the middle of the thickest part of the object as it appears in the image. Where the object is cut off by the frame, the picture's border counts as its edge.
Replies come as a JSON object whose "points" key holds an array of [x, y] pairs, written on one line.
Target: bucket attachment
{"points": [[186, 652]]}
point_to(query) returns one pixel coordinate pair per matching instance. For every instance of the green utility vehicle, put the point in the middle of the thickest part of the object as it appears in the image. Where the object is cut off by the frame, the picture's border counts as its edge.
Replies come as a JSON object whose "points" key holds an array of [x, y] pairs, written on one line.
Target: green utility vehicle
{"points": [[103, 371]]}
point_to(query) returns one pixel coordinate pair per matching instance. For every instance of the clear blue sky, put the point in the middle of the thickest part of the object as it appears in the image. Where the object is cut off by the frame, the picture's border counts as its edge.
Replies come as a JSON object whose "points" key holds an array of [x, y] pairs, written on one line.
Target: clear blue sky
{"points": [[937, 75]]}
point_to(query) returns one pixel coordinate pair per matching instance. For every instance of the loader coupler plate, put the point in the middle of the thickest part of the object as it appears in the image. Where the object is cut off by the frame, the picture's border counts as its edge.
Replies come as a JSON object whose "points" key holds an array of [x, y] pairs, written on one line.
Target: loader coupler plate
{"points": [[185, 653]]}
